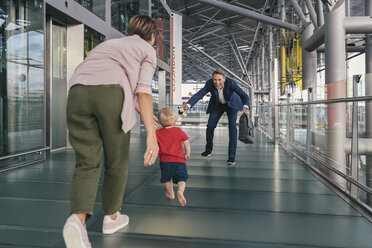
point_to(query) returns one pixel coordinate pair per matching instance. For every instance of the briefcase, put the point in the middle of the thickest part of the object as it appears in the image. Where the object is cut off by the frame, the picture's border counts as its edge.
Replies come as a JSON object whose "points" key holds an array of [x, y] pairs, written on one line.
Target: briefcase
{"points": [[246, 130]]}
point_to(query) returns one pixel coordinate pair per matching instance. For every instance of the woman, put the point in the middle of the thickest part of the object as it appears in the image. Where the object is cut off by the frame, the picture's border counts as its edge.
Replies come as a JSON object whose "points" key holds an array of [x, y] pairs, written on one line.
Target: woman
{"points": [[105, 90]]}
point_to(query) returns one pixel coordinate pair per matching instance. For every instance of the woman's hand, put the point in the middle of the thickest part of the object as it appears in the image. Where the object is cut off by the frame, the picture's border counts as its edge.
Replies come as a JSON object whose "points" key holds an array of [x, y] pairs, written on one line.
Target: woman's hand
{"points": [[146, 110], [152, 150], [156, 124]]}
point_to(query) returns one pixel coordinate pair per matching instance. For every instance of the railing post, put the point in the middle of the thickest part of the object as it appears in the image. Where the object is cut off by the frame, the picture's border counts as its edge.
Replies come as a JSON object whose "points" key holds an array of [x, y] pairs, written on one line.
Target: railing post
{"points": [[289, 119], [354, 140], [309, 127]]}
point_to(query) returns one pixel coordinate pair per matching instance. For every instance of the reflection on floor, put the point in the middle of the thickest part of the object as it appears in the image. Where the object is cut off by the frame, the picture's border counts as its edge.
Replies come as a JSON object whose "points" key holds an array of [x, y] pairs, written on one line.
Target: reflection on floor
{"points": [[266, 200]]}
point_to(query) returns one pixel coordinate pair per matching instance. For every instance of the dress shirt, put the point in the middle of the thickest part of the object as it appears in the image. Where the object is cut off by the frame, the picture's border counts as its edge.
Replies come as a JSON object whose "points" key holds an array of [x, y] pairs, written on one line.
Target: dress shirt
{"points": [[221, 98]]}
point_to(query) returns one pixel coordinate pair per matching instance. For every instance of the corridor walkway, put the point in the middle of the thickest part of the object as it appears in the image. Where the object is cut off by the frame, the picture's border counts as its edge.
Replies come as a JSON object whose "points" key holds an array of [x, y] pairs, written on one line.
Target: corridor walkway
{"points": [[266, 200]]}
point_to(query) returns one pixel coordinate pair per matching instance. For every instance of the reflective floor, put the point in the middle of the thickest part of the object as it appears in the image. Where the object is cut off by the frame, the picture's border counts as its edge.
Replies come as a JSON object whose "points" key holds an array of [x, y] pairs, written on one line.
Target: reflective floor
{"points": [[266, 200]]}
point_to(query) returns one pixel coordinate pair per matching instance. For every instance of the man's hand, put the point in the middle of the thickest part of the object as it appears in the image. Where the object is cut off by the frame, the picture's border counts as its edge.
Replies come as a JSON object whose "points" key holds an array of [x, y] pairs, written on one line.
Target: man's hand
{"points": [[185, 107], [245, 110]]}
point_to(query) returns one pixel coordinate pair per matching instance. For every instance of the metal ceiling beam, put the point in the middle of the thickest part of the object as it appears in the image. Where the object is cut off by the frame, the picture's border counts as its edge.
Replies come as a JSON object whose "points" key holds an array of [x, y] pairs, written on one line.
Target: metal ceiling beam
{"points": [[252, 15], [205, 24], [222, 66], [255, 36], [199, 68], [231, 19], [240, 59], [236, 56], [198, 60], [299, 12], [205, 34], [320, 15], [166, 7], [312, 13]]}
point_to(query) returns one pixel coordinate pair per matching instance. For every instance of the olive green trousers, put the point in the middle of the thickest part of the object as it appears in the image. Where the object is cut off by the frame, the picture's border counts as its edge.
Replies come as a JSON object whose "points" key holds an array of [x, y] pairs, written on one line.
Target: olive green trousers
{"points": [[94, 124]]}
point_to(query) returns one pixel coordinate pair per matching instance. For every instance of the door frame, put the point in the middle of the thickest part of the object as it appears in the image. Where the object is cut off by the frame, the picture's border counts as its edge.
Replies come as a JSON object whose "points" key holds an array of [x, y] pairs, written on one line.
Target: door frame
{"points": [[49, 81]]}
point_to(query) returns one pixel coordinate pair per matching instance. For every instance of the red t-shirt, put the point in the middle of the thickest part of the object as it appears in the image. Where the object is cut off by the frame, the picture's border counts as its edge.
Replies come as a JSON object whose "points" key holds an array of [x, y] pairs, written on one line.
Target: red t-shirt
{"points": [[170, 144]]}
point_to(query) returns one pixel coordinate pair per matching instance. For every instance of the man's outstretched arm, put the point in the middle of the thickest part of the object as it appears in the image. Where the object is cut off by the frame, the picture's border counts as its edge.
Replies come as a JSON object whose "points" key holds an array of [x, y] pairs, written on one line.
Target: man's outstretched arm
{"points": [[196, 97]]}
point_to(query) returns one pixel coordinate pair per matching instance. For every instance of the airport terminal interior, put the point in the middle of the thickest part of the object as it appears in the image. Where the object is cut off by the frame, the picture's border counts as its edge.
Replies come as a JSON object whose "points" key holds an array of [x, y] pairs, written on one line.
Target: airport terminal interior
{"points": [[305, 181]]}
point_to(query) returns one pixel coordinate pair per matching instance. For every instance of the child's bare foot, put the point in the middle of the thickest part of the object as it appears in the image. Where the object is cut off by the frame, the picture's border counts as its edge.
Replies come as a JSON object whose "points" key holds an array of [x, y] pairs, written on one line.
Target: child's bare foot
{"points": [[169, 195], [181, 198]]}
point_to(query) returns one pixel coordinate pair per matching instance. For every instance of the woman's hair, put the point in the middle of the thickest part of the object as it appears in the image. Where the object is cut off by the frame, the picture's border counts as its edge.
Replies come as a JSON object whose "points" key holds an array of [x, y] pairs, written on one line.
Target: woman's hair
{"points": [[167, 116], [142, 25], [220, 72]]}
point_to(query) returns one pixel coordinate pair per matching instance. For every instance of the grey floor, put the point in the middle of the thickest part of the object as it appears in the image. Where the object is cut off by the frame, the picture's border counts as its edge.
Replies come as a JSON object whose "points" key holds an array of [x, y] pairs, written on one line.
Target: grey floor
{"points": [[266, 200]]}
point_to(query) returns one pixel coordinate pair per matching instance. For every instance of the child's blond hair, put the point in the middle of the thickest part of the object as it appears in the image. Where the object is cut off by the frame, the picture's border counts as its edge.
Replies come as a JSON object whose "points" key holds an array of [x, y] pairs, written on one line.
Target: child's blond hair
{"points": [[167, 116]]}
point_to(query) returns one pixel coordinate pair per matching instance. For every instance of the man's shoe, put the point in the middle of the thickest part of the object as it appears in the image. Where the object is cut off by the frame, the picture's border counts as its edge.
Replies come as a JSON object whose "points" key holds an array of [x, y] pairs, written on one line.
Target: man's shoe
{"points": [[206, 154], [75, 233], [110, 226], [231, 161]]}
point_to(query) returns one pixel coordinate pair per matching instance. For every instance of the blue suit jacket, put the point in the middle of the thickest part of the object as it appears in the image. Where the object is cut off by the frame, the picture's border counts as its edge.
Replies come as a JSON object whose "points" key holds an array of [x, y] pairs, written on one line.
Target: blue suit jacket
{"points": [[235, 97]]}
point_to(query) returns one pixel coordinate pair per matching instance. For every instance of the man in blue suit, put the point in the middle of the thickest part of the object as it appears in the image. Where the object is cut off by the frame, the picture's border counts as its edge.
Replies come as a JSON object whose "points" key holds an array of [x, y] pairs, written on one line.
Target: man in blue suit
{"points": [[226, 96]]}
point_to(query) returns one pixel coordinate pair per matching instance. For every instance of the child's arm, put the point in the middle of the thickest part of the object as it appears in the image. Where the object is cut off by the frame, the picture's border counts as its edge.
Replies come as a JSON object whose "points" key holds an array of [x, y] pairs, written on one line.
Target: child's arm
{"points": [[186, 143]]}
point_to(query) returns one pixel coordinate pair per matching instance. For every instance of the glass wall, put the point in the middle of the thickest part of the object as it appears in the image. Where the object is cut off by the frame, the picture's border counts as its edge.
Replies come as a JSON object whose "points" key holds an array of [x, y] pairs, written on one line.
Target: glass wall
{"points": [[155, 91], [22, 77], [91, 39], [123, 10], [95, 6]]}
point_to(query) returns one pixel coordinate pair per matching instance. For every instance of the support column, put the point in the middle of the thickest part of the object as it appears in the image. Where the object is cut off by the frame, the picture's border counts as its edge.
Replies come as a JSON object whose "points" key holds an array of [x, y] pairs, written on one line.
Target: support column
{"points": [[336, 88], [309, 126], [257, 74], [368, 88], [308, 61], [161, 82], [262, 64], [282, 46], [273, 84]]}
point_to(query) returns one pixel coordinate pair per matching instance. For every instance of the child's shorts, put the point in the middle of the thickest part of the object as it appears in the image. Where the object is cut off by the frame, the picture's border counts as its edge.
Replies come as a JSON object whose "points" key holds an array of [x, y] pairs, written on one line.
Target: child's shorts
{"points": [[173, 170]]}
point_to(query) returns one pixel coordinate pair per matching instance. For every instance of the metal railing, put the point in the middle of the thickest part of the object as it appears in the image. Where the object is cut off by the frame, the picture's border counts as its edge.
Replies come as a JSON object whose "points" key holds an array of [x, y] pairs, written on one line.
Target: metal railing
{"points": [[324, 134]]}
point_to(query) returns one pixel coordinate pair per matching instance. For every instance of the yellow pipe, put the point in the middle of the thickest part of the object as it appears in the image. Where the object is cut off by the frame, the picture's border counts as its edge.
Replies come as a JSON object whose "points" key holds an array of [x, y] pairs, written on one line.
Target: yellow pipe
{"points": [[283, 62], [299, 47]]}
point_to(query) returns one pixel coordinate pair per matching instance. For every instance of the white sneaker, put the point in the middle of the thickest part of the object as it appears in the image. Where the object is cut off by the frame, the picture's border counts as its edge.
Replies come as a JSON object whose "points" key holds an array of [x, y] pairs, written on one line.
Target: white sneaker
{"points": [[75, 233], [110, 226]]}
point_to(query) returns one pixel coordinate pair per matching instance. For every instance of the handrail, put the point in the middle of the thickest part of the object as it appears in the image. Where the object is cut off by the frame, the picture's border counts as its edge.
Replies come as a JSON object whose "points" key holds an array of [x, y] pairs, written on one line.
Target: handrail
{"points": [[336, 100], [348, 178], [24, 153]]}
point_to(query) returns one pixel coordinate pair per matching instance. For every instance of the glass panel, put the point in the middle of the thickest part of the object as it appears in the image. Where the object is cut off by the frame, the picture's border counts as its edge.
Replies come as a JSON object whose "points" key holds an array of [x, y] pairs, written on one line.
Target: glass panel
{"points": [[22, 76], [91, 39], [98, 7], [330, 132], [283, 121], [167, 89], [155, 90], [123, 10], [59, 86], [300, 125], [365, 140]]}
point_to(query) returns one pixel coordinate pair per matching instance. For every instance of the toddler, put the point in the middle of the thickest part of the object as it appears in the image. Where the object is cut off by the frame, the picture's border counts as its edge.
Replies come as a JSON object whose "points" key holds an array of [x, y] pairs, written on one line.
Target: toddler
{"points": [[171, 154]]}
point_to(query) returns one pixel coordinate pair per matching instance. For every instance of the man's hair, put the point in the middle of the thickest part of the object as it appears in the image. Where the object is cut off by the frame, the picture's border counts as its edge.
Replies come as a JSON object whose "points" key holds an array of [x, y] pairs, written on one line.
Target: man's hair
{"points": [[167, 116], [142, 25], [220, 72]]}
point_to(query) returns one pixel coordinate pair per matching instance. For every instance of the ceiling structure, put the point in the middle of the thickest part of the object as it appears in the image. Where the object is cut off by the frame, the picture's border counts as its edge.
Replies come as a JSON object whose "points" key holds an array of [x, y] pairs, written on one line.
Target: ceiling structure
{"points": [[226, 36], [223, 35]]}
